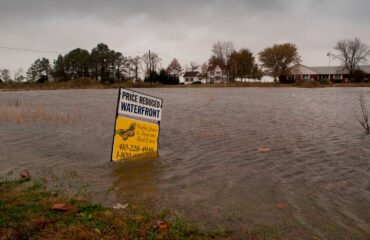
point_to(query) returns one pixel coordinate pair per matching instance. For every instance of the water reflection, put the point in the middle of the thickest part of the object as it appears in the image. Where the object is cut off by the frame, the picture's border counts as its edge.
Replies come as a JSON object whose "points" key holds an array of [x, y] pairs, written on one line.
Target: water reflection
{"points": [[136, 178]]}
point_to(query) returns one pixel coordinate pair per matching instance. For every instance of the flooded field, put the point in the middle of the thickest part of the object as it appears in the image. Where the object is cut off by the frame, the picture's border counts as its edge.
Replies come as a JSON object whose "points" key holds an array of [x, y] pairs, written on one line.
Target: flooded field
{"points": [[230, 157]]}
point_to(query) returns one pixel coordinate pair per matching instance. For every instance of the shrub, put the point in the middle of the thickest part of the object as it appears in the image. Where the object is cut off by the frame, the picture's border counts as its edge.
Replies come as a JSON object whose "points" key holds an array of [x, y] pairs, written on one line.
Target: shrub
{"points": [[358, 76]]}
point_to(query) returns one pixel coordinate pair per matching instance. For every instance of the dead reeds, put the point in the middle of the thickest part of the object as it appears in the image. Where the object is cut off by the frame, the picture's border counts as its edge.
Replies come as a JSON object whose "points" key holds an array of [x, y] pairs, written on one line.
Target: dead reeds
{"points": [[22, 112], [364, 119]]}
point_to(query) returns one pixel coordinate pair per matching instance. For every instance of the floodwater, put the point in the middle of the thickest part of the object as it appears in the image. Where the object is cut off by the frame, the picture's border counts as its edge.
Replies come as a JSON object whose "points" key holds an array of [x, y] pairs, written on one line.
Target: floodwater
{"points": [[231, 157]]}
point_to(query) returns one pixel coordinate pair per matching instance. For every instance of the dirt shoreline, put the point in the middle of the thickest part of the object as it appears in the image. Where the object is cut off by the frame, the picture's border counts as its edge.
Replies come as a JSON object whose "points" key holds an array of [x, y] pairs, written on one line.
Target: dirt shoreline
{"points": [[90, 84]]}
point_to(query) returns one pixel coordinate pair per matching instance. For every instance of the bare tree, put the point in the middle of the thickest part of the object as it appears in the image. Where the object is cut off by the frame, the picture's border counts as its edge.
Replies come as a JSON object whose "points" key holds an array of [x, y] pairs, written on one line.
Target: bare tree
{"points": [[18, 75], [204, 68], [5, 75], [174, 68], [194, 66], [136, 61], [364, 120], [222, 51], [351, 53], [150, 62]]}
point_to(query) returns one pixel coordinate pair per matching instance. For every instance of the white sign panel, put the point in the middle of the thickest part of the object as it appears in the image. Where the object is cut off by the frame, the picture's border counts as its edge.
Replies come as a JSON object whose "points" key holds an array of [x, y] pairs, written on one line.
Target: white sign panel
{"points": [[140, 105]]}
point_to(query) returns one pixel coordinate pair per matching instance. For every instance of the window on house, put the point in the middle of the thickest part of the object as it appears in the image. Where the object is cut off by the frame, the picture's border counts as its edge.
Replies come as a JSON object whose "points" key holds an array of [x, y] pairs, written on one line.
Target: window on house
{"points": [[191, 79], [211, 73], [218, 73], [338, 76], [305, 77]]}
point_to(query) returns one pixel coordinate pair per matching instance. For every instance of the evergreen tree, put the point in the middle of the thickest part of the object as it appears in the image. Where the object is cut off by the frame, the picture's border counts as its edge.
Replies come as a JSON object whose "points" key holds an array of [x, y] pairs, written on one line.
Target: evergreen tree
{"points": [[59, 71], [39, 71], [77, 63]]}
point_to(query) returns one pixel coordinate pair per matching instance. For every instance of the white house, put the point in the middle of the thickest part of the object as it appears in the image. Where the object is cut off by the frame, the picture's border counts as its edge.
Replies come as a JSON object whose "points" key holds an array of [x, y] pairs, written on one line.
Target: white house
{"points": [[191, 77], [216, 74]]}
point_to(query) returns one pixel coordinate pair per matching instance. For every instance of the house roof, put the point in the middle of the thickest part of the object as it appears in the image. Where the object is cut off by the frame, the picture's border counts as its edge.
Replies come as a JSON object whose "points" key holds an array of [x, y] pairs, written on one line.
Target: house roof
{"points": [[324, 70], [365, 68], [203, 75], [302, 69], [191, 74], [213, 67]]}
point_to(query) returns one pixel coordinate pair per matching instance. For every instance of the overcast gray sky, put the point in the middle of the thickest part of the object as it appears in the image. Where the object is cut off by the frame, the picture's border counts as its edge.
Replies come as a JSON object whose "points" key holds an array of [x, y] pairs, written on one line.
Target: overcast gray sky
{"points": [[185, 29]]}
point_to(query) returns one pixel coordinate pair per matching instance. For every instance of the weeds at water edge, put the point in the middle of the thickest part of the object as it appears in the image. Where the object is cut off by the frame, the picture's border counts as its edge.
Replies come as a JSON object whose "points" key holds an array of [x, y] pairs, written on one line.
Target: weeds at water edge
{"points": [[364, 119]]}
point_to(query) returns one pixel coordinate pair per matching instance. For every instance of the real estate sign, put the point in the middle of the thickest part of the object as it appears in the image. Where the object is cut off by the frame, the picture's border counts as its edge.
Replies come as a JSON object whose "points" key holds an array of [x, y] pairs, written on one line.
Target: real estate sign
{"points": [[137, 125]]}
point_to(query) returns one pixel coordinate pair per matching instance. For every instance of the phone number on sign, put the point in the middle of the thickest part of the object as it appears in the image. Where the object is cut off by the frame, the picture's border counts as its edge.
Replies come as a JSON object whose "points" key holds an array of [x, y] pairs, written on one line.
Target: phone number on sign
{"points": [[135, 148]]}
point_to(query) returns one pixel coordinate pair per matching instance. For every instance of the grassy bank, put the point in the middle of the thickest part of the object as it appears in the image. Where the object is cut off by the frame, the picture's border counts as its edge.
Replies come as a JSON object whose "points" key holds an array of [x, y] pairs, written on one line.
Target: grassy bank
{"points": [[27, 211], [92, 84]]}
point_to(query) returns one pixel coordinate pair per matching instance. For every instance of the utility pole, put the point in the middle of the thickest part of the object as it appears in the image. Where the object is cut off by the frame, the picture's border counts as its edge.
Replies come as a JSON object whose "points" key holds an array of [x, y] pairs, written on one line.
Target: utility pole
{"points": [[150, 70], [329, 55], [129, 68]]}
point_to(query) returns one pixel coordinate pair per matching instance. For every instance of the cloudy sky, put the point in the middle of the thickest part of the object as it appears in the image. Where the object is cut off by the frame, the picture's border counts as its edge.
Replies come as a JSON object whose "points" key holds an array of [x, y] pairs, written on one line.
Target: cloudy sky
{"points": [[185, 29]]}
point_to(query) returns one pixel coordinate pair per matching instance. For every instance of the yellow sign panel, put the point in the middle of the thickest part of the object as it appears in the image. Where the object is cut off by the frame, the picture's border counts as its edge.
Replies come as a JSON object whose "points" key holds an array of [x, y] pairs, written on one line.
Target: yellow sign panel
{"points": [[133, 138]]}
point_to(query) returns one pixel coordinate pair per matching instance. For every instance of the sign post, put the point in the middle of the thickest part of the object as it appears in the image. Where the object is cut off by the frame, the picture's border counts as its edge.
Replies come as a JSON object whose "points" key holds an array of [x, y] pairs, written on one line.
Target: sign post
{"points": [[137, 124]]}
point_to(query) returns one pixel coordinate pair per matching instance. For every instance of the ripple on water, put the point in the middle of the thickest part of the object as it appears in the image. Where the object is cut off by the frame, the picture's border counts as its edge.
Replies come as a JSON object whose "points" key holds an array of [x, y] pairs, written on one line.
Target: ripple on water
{"points": [[313, 166]]}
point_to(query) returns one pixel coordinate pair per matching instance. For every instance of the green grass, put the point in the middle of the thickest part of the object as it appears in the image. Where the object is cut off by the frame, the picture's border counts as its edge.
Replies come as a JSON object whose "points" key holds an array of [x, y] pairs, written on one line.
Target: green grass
{"points": [[25, 213]]}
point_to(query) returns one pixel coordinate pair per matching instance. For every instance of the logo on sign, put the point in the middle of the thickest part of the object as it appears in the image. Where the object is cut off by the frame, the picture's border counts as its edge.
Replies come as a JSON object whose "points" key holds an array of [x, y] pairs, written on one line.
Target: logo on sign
{"points": [[125, 134]]}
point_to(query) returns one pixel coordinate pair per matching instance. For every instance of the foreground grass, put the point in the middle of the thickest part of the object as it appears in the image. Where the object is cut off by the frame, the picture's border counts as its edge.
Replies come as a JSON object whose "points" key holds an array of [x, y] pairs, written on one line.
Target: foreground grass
{"points": [[26, 213]]}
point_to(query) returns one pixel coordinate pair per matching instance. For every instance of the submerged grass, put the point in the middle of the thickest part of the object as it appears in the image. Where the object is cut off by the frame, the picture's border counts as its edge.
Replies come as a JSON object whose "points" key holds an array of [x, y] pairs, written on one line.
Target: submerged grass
{"points": [[20, 111], [26, 213]]}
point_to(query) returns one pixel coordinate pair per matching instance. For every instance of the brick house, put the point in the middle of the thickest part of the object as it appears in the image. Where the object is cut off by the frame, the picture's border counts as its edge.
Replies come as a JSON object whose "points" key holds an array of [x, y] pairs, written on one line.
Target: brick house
{"points": [[334, 74]]}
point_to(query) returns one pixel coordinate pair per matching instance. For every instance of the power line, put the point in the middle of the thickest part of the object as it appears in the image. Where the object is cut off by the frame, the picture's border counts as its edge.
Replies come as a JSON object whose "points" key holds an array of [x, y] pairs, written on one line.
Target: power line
{"points": [[30, 50], [49, 51], [178, 58], [58, 52], [133, 53]]}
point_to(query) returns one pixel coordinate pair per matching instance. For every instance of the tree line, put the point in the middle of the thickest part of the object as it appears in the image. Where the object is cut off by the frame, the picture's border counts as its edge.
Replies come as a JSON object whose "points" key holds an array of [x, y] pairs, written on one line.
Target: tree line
{"points": [[277, 61], [106, 65], [101, 63]]}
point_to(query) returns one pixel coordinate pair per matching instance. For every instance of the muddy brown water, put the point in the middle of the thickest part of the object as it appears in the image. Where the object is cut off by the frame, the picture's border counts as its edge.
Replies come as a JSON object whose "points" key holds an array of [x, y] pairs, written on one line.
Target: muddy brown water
{"points": [[231, 157]]}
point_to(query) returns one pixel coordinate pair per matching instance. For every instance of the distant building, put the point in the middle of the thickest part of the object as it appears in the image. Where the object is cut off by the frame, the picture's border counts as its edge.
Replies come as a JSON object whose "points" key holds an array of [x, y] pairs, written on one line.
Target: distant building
{"points": [[267, 79], [192, 77], [216, 74], [334, 74]]}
